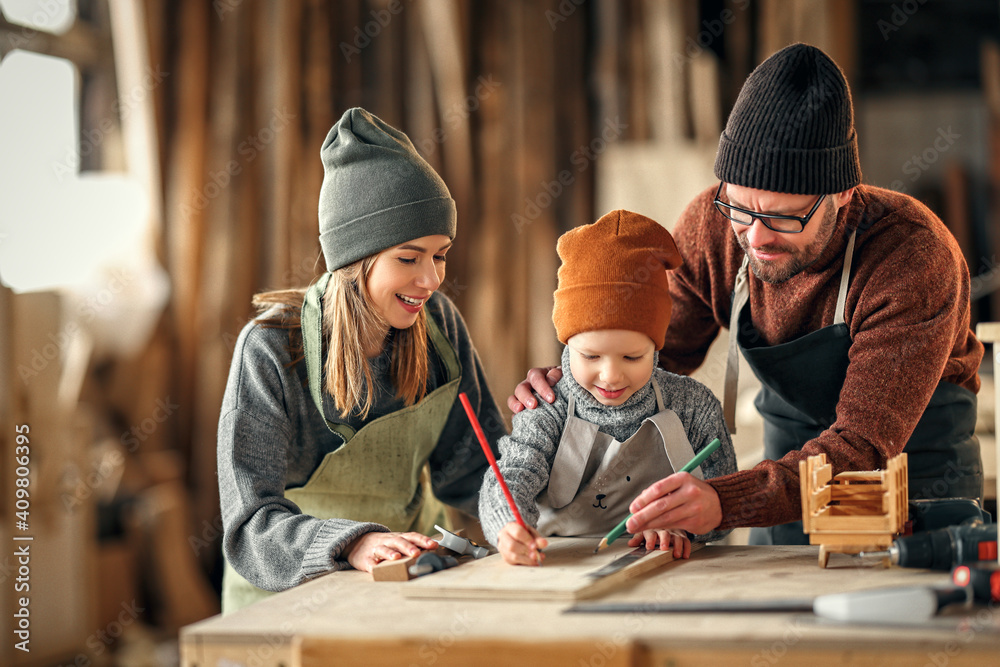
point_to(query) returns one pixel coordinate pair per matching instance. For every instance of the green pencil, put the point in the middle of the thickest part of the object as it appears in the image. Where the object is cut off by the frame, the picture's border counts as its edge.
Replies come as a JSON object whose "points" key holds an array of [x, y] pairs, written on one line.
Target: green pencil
{"points": [[698, 459]]}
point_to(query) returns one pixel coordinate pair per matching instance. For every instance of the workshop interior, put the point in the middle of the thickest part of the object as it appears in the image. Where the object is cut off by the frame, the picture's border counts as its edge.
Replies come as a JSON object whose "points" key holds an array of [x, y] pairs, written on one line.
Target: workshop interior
{"points": [[160, 165]]}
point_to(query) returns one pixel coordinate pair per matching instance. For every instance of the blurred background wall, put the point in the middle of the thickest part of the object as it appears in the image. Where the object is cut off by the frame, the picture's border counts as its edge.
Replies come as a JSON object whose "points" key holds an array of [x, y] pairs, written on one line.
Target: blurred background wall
{"points": [[159, 164]]}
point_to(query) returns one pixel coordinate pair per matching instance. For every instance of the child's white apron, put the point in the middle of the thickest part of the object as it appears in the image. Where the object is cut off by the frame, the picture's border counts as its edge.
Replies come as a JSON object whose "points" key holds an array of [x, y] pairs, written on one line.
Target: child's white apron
{"points": [[595, 478]]}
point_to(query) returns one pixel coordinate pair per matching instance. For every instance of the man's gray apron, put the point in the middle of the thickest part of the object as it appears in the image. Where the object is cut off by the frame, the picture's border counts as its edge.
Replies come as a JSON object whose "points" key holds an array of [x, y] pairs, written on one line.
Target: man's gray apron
{"points": [[375, 475], [801, 382], [595, 478]]}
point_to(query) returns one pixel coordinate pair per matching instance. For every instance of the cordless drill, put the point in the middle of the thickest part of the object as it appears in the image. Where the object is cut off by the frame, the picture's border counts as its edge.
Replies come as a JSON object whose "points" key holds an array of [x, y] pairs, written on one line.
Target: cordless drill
{"points": [[944, 548], [982, 579]]}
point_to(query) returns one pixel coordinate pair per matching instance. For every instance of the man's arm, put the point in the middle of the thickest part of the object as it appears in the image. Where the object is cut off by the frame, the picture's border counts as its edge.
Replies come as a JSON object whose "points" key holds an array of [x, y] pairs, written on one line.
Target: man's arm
{"points": [[908, 315]]}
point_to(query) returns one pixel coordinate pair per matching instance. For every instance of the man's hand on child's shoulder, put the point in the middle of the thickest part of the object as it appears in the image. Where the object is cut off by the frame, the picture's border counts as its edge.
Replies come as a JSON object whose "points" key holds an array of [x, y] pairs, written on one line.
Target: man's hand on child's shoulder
{"points": [[541, 380]]}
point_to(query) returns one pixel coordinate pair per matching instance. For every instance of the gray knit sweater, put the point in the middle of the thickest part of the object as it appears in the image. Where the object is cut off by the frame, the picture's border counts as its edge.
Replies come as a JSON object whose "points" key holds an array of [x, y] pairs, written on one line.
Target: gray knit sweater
{"points": [[271, 436], [527, 454]]}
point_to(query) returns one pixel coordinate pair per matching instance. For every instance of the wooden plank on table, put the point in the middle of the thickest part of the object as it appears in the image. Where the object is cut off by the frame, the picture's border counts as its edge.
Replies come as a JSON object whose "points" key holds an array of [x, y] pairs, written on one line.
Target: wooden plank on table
{"points": [[319, 651], [563, 576], [394, 570]]}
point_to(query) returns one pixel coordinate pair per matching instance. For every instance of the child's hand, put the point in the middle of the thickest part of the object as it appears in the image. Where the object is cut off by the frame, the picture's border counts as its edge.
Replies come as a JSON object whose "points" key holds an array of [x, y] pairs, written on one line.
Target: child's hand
{"points": [[667, 539], [373, 548], [519, 546]]}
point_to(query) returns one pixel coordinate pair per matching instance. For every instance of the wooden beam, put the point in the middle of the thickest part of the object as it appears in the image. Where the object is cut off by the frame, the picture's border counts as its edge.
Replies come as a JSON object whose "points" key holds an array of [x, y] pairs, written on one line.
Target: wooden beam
{"points": [[138, 83], [990, 77], [185, 202], [81, 44]]}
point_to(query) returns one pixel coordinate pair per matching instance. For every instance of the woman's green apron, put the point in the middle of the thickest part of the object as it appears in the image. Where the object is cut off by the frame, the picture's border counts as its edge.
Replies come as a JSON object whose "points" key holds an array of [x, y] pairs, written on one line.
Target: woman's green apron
{"points": [[375, 475], [801, 382]]}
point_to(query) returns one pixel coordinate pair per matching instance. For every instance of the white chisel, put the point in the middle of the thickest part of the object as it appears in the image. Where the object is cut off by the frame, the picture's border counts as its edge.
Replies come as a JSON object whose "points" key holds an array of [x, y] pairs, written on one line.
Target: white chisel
{"points": [[911, 604]]}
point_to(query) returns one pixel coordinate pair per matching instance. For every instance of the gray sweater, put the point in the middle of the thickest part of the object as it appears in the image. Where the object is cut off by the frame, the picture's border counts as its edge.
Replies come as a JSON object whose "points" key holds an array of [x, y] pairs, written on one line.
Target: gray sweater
{"points": [[527, 454], [271, 436]]}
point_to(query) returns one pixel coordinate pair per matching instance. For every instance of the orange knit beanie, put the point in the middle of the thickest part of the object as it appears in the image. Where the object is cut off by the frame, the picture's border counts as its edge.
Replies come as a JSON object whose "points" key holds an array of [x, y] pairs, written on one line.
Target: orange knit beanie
{"points": [[613, 276]]}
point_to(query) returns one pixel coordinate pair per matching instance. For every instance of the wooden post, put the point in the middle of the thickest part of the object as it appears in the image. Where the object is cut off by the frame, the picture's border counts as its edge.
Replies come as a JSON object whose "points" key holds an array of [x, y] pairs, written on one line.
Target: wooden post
{"points": [[989, 333]]}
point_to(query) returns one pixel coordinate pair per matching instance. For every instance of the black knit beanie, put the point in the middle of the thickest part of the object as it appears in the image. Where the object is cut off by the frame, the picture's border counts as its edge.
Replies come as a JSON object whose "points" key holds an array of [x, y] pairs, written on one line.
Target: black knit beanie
{"points": [[792, 127]]}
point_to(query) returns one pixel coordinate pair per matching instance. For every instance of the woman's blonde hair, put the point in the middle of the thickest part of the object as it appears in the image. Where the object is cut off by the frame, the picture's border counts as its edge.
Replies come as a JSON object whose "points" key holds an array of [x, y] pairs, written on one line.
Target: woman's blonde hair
{"points": [[351, 326]]}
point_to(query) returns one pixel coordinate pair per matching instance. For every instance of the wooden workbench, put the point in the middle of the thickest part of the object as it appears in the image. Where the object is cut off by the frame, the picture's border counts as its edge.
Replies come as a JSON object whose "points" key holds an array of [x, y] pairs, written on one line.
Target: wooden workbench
{"points": [[345, 618]]}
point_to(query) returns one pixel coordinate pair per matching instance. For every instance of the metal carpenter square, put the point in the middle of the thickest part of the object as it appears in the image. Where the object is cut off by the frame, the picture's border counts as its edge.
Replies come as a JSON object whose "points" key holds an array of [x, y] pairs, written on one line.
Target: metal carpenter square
{"points": [[619, 563]]}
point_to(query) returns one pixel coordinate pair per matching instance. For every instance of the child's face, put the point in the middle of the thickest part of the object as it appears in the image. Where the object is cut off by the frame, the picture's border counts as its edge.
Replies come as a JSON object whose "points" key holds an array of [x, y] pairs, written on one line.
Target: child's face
{"points": [[404, 277], [611, 364]]}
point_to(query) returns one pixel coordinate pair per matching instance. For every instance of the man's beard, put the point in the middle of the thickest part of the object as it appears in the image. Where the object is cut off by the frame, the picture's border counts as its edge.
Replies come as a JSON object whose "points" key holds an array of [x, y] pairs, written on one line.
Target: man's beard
{"points": [[796, 260]]}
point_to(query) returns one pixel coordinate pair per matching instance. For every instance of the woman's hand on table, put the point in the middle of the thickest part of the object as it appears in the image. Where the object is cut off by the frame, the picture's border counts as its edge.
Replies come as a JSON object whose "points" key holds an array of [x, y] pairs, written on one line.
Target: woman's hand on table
{"points": [[372, 548]]}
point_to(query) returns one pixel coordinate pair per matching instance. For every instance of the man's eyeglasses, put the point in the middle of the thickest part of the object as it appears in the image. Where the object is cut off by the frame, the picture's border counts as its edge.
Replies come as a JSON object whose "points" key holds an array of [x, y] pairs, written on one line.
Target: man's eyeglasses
{"points": [[786, 224]]}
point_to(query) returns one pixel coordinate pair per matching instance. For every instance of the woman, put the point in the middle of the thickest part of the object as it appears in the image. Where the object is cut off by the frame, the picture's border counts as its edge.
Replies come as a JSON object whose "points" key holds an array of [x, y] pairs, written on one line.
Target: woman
{"points": [[342, 398]]}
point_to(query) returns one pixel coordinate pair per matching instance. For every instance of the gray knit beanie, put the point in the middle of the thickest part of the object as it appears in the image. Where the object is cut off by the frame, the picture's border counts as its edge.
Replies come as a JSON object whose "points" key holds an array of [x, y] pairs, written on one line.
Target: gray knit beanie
{"points": [[792, 127], [377, 191]]}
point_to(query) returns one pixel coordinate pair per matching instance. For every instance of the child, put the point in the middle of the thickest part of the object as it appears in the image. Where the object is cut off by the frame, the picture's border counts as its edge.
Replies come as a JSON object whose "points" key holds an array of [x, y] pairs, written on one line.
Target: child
{"points": [[619, 423]]}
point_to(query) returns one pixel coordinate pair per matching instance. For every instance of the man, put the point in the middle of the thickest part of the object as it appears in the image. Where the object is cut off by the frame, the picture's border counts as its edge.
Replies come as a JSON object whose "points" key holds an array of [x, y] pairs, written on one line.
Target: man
{"points": [[850, 303]]}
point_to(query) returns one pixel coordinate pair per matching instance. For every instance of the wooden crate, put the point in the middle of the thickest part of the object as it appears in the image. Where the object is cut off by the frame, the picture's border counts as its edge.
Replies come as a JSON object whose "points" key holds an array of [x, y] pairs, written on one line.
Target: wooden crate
{"points": [[853, 511]]}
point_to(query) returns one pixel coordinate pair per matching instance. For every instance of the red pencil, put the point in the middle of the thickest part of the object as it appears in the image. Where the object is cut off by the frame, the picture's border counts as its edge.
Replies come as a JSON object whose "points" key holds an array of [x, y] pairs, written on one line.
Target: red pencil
{"points": [[492, 459]]}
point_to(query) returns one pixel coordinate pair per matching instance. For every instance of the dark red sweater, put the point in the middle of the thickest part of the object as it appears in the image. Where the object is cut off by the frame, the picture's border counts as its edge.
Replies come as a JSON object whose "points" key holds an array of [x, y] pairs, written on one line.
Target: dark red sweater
{"points": [[908, 315]]}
